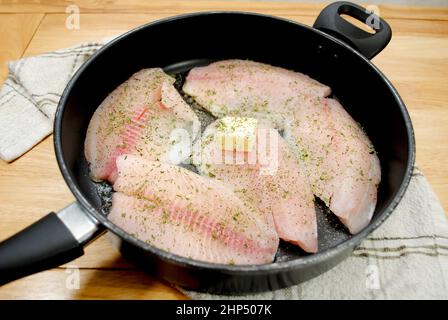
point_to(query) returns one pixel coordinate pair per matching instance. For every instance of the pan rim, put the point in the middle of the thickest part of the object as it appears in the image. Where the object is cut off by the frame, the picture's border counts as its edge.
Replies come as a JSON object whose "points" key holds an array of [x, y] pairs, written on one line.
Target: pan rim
{"points": [[273, 267]]}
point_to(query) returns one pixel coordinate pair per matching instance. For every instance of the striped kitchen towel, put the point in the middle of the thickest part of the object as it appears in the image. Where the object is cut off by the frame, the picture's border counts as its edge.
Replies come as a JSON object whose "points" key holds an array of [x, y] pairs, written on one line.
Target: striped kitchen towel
{"points": [[30, 95], [405, 258]]}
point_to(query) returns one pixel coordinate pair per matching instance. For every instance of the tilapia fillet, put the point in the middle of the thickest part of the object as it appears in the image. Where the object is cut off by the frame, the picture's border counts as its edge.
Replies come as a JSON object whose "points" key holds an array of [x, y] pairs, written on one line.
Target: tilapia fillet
{"points": [[337, 156], [138, 117], [339, 159], [181, 212], [250, 89], [282, 193]]}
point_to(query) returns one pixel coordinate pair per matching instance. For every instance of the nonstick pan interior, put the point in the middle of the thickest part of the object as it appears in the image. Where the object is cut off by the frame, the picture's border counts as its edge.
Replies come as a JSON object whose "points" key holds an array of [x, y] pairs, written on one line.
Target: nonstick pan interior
{"points": [[330, 230]]}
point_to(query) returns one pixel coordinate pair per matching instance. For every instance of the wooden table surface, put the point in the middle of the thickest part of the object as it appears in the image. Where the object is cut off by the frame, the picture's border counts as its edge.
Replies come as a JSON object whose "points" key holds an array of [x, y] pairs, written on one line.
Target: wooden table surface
{"points": [[416, 61]]}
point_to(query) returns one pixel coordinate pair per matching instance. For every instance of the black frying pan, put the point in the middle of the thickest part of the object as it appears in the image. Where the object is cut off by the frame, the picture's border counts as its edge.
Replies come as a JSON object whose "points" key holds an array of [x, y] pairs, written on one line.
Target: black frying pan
{"points": [[183, 42]]}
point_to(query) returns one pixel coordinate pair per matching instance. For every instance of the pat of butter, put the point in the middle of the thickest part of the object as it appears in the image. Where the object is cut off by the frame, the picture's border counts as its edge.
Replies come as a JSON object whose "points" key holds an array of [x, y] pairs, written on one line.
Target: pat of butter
{"points": [[236, 133]]}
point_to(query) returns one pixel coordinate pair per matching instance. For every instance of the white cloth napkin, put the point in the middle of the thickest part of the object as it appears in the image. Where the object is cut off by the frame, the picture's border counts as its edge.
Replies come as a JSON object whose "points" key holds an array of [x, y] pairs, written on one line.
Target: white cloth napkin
{"points": [[406, 258], [30, 95]]}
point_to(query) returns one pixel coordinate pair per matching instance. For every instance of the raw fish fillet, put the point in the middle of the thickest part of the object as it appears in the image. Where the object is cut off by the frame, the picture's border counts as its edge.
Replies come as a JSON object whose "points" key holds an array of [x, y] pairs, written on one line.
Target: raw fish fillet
{"points": [[250, 89], [282, 193], [339, 159], [181, 212], [138, 117]]}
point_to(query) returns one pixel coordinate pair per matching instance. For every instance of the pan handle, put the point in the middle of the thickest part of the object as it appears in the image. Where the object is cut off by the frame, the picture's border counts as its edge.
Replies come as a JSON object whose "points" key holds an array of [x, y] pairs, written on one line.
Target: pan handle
{"points": [[53, 240], [331, 22]]}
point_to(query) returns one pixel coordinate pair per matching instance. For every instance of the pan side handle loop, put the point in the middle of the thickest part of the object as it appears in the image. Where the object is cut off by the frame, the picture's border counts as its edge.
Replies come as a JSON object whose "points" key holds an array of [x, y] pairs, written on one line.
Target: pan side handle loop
{"points": [[368, 44], [49, 242]]}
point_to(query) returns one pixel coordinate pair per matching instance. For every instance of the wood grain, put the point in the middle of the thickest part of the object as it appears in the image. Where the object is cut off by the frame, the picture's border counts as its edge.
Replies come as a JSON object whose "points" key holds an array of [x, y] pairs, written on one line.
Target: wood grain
{"points": [[16, 32], [416, 61], [182, 6], [94, 284]]}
